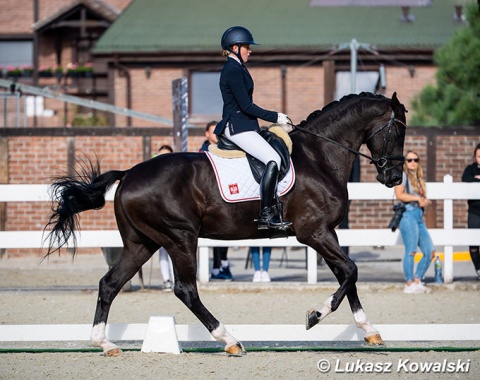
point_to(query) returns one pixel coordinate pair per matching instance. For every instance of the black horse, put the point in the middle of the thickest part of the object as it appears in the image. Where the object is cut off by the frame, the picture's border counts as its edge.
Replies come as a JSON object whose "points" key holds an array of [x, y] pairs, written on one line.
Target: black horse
{"points": [[171, 201]]}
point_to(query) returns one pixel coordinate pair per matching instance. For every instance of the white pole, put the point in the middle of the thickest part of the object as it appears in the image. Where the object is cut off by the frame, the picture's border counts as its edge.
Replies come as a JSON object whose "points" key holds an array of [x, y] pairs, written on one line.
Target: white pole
{"points": [[203, 269], [448, 225], [353, 66]]}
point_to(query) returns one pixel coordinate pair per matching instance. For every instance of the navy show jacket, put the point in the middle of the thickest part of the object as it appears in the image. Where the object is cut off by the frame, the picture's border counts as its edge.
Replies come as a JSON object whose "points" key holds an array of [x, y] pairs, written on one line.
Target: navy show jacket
{"points": [[236, 86]]}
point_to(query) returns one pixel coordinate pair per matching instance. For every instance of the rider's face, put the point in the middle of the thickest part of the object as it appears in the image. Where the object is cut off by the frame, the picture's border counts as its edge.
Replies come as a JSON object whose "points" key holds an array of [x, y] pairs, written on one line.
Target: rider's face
{"points": [[245, 52]]}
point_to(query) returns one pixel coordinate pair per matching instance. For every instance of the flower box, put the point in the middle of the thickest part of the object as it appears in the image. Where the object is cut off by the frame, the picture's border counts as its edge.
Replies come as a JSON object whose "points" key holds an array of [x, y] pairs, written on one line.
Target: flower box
{"points": [[80, 71], [14, 72], [45, 72]]}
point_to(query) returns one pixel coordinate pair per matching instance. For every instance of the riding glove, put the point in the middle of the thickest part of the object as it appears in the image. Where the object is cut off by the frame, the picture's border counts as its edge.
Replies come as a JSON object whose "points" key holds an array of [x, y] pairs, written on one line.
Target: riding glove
{"points": [[282, 118]]}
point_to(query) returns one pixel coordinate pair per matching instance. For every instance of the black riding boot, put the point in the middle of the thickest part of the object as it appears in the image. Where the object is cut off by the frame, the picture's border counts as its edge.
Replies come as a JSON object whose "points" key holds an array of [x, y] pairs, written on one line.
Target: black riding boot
{"points": [[271, 211]]}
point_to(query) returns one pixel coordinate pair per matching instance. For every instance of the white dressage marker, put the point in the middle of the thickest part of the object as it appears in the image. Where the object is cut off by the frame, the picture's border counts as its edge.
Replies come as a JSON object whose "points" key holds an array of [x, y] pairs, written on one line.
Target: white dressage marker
{"points": [[161, 336]]}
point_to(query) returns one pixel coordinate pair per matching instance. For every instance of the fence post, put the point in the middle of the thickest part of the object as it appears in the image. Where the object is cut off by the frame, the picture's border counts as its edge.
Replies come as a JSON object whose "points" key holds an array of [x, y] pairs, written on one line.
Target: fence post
{"points": [[203, 264], [311, 266], [448, 225]]}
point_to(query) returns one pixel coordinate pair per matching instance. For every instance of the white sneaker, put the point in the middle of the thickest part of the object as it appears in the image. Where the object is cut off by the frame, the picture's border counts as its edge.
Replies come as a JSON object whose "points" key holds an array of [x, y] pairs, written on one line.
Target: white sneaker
{"points": [[422, 286], [416, 289], [257, 276], [409, 289], [265, 277], [168, 286]]}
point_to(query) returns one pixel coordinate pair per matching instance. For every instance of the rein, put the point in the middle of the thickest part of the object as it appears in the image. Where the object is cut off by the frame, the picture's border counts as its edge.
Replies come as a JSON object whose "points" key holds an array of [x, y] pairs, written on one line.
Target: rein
{"points": [[380, 162]]}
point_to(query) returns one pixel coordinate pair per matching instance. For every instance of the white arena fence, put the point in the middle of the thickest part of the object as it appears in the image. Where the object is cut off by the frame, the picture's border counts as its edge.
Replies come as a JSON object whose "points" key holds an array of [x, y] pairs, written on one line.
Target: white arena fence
{"points": [[448, 237]]}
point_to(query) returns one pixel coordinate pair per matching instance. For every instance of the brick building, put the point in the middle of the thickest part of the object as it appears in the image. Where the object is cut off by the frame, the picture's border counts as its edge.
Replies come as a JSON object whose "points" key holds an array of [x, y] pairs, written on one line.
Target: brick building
{"points": [[139, 47]]}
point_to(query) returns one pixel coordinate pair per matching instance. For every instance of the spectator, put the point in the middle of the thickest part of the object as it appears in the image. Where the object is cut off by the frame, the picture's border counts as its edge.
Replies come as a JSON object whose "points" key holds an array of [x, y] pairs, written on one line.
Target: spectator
{"points": [[472, 174], [261, 272], [414, 232], [211, 137], [221, 267], [165, 263]]}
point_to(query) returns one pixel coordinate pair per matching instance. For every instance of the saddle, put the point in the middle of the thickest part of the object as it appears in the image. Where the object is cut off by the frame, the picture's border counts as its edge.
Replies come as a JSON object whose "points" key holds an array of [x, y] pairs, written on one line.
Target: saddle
{"points": [[275, 136]]}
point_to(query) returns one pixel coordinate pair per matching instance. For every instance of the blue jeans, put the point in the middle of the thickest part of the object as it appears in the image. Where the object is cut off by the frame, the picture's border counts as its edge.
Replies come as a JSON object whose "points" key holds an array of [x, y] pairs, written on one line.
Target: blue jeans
{"points": [[415, 234], [255, 251]]}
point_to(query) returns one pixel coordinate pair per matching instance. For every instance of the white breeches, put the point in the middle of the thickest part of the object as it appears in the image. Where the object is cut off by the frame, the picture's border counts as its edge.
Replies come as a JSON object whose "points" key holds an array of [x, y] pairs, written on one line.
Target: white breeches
{"points": [[254, 144]]}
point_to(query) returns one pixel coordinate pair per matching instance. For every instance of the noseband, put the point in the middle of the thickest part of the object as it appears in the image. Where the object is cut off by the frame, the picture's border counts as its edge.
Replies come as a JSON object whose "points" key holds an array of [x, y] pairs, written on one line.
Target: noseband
{"points": [[379, 162]]}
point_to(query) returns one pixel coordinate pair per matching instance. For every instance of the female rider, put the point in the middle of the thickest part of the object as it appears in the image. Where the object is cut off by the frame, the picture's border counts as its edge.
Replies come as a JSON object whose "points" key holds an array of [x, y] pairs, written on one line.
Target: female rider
{"points": [[239, 122]]}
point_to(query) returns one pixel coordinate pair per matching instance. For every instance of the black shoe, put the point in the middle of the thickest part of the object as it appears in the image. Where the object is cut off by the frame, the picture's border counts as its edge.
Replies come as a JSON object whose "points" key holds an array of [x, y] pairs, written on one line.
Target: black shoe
{"points": [[268, 219], [223, 275]]}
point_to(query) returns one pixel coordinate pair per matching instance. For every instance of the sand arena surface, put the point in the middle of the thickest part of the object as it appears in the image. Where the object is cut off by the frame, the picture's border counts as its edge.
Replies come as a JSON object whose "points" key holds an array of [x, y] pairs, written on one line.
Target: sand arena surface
{"points": [[62, 292]]}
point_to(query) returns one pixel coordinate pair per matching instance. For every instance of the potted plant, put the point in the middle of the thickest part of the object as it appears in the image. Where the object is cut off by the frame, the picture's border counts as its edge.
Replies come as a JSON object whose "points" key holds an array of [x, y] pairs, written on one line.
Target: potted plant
{"points": [[72, 70], [88, 69], [27, 71], [45, 72], [14, 72], [58, 70]]}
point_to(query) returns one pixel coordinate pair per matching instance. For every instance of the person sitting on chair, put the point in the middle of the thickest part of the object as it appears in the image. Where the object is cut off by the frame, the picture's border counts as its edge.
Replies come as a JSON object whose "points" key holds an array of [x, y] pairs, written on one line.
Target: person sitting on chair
{"points": [[239, 122]]}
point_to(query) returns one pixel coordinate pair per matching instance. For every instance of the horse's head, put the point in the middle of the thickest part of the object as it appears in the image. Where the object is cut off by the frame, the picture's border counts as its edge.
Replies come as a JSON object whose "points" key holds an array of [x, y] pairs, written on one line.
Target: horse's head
{"points": [[385, 142]]}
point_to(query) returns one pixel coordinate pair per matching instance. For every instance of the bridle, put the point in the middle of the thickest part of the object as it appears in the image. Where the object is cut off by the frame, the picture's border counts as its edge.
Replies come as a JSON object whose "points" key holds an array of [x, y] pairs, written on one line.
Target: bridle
{"points": [[379, 162]]}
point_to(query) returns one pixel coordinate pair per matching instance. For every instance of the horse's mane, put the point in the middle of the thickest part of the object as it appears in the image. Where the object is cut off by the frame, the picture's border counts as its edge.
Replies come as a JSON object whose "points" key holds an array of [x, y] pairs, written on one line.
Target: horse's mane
{"points": [[336, 103]]}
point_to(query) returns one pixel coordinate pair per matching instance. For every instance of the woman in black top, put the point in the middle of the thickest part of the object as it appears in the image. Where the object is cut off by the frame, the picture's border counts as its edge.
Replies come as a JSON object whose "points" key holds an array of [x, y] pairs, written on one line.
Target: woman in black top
{"points": [[472, 174]]}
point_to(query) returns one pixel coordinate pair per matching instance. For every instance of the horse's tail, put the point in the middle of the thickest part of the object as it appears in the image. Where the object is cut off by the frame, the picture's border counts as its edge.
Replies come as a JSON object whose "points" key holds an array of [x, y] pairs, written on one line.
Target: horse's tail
{"points": [[85, 190]]}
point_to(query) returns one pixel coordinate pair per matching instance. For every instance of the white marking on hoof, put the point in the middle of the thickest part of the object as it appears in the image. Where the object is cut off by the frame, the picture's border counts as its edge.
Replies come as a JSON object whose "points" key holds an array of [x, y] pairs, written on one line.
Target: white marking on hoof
{"points": [[222, 335], [326, 308], [361, 321], [99, 339]]}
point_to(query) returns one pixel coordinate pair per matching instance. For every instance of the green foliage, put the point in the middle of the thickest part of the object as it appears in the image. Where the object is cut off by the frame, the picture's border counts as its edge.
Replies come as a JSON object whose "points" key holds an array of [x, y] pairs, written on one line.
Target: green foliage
{"points": [[89, 120], [455, 100]]}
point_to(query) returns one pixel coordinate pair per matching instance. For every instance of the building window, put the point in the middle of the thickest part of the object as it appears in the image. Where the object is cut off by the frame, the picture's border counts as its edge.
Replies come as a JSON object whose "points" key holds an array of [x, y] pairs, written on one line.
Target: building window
{"points": [[367, 81], [16, 53], [205, 97]]}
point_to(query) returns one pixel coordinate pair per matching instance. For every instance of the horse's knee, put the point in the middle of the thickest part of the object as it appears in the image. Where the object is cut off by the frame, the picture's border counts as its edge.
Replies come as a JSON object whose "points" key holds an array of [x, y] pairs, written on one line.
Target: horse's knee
{"points": [[351, 271], [188, 297]]}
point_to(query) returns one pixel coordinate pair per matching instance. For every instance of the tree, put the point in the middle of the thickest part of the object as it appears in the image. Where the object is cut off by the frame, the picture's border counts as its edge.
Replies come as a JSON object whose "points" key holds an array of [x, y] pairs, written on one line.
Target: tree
{"points": [[455, 100]]}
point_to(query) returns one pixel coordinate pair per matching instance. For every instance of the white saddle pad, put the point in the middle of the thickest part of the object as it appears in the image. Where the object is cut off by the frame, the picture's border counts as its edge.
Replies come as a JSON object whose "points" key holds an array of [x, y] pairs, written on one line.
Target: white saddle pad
{"points": [[235, 179]]}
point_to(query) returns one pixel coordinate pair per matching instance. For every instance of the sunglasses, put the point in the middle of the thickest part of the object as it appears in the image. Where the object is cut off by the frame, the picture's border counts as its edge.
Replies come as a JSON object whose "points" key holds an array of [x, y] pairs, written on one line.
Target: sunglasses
{"points": [[412, 159]]}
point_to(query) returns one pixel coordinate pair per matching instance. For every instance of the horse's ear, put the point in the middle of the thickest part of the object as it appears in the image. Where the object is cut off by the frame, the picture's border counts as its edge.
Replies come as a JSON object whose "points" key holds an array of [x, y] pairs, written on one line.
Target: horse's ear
{"points": [[397, 107]]}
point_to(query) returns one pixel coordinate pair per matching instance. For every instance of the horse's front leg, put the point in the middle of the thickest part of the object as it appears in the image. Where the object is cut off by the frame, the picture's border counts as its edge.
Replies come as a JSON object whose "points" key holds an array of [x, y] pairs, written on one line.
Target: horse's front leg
{"points": [[372, 336], [346, 273], [185, 288]]}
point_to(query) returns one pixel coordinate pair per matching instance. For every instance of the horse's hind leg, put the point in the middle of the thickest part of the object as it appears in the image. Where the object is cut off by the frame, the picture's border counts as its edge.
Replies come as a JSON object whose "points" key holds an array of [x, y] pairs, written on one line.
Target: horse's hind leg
{"points": [[133, 258], [185, 288]]}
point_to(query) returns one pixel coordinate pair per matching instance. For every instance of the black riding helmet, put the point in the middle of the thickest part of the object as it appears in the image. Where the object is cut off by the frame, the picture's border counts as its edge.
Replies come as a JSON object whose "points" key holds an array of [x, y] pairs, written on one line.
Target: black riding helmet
{"points": [[237, 35]]}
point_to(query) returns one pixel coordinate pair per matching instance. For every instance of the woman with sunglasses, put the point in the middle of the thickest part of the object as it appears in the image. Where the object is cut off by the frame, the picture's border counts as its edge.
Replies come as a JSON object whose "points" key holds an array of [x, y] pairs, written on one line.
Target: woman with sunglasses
{"points": [[414, 232], [472, 174], [239, 122]]}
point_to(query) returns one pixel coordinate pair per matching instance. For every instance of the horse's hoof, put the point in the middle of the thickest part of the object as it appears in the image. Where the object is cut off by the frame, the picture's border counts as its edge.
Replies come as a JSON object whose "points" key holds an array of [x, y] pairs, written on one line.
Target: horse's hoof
{"points": [[313, 317], [113, 352], [374, 340], [236, 350]]}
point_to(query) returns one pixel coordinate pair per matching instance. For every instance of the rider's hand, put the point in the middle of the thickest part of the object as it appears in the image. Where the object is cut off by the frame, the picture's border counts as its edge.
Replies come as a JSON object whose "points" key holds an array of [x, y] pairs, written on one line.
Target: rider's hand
{"points": [[282, 118]]}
